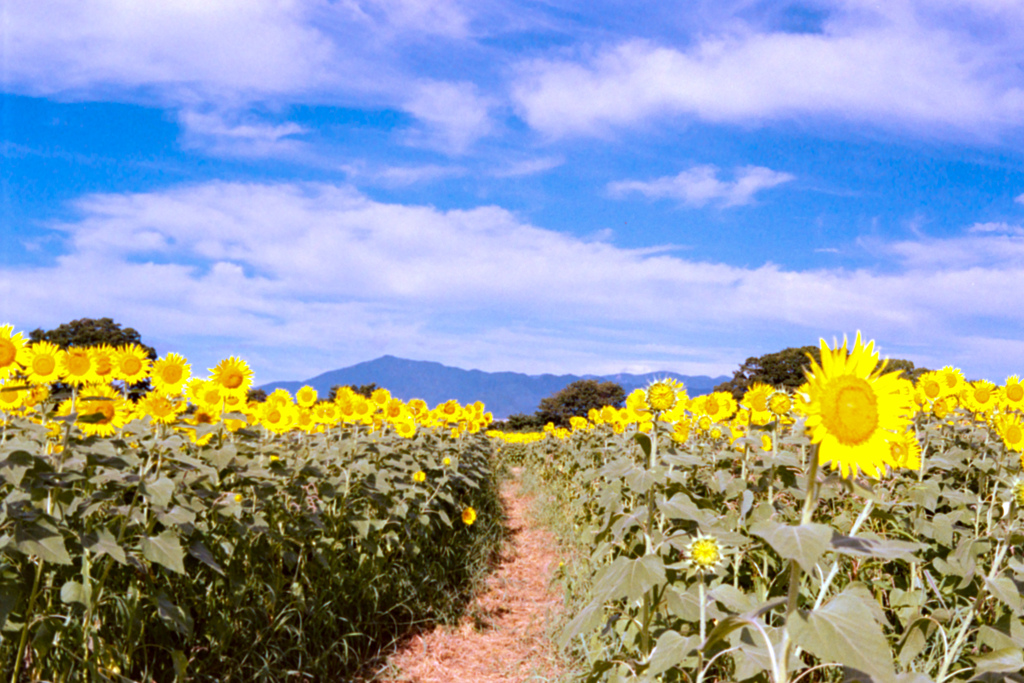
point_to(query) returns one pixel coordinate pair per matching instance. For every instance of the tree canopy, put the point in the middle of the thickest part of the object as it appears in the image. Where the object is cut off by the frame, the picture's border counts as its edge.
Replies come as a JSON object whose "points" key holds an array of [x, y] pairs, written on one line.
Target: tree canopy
{"points": [[786, 369], [577, 399], [91, 332]]}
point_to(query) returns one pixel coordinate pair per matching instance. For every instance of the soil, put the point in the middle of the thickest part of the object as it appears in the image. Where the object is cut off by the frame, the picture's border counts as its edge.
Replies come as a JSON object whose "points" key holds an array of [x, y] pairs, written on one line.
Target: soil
{"points": [[504, 637]]}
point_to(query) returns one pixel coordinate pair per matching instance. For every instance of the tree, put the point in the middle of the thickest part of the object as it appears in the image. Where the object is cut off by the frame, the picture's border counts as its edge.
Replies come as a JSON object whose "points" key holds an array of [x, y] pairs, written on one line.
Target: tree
{"points": [[256, 395], [577, 399], [519, 422], [91, 332], [787, 369], [363, 389]]}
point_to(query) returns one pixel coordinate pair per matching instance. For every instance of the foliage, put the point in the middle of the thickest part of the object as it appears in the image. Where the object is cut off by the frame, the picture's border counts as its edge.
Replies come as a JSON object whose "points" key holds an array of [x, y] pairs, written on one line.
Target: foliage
{"points": [[577, 399], [520, 422], [364, 390], [91, 332], [915, 577], [785, 370]]}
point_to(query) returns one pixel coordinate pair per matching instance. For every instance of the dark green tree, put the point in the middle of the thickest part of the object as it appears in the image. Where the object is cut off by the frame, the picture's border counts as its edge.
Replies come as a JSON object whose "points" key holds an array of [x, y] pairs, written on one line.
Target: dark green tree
{"points": [[91, 332], [577, 399], [787, 369], [519, 422], [256, 395]]}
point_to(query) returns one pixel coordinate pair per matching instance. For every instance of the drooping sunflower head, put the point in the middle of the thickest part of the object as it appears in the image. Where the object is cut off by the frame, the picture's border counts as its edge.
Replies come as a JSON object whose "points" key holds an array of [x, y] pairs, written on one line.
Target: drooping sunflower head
{"points": [[170, 374], [233, 375], [131, 363], [11, 347], [855, 411]]}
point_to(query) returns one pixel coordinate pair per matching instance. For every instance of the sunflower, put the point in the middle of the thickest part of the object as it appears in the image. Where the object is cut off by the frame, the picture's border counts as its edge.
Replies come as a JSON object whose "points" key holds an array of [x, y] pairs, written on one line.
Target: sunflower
{"points": [[930, 384], [703, 553], [637, 401], [766, 442], [11, 347], [980, 396], [855, 410], [306, 396], [802, 398], [756, 398], [780, 403], [405, 428], [720, 406], [233, 375], [100, 413], [327, 412], [12, 398], [419, 477], [662, 395], [944, 406], [277, 417], [161, 409], [103, 362], [1009, 429], [906, 451], [43, 362], [468, 516], [952, 379], [1012, 393], [131, 363], [418, 407], [681, 431], [77, 365], [170, 374]]}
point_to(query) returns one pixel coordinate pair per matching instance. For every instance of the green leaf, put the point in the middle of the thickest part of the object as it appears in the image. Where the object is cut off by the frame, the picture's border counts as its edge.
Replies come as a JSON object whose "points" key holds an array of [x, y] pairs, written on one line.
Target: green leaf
{"points": [[72, 591], [587, 621], [1007, 591], [644, 441], [41, 538], [1010, 659], [843, 630], [670, 650], [174, 617], [164, 550], [203, 554], [873, 546], [680, 506], [629, 578], [158, 492], [102, 542], [10, 596], [804, 543]]}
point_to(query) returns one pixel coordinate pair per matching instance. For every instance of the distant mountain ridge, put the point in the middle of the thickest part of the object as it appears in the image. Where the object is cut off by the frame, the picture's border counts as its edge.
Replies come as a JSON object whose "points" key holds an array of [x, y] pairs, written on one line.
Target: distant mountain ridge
{"points": [[504, 393]]}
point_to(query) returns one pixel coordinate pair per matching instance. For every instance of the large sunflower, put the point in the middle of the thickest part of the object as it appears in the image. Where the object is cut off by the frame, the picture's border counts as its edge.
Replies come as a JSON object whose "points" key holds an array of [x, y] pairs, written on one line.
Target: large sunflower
{"points": [[1012, 393], [855, 410], [131, 363], [11, 346], [100, 413], [756, 399], [79, 367], [980, 396]]}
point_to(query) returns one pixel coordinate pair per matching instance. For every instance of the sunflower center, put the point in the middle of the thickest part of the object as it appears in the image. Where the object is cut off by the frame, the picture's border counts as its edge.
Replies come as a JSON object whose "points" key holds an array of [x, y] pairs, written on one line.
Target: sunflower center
{"points": [[232, 379], [274, 416], [131, 365], [78, 364], [43, 365], [982, 394], [161, 407], [103, 366], [9, 396], [8, 352], [1015, 392], [1014, 434], [104, 408], [850, 410], [931, 389], [759, 403], [171, 374]]}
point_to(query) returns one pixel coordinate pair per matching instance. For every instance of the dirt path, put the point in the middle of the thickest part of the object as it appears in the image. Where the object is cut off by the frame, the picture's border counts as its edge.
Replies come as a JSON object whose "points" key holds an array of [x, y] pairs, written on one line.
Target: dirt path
{"points": [[504, 637]]}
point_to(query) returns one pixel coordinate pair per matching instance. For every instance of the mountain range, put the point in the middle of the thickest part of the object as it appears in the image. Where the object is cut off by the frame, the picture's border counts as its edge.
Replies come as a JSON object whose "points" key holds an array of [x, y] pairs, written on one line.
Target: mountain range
{"points": [[503, 393]]}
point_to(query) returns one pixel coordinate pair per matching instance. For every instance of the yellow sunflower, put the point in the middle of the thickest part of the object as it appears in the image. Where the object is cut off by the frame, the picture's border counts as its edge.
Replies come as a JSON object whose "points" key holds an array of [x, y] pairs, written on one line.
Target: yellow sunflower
{"points": [[12, 398], [101, 411], [980, 396], [1010, 431], [170, 374], [756, 399], [930, 384], [855, 410], [11, 347], [906, 451], [233, 375], [952, 379], [468, 516], [161, 409], [77, 365], [780, 403], [720, 406], [306, 396], [1012, 393], [405, 428], [380, 397], [662, 395], [43, 362], [131, 363], [103, 362]]}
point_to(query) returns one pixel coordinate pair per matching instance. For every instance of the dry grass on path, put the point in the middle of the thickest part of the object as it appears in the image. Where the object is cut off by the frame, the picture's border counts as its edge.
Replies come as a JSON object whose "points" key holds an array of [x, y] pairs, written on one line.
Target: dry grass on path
{"points": [[504, 637]]}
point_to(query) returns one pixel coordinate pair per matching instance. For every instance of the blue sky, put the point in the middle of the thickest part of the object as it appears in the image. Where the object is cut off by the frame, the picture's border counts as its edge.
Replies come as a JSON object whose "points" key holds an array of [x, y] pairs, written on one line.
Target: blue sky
{"points": [[531, 186]]}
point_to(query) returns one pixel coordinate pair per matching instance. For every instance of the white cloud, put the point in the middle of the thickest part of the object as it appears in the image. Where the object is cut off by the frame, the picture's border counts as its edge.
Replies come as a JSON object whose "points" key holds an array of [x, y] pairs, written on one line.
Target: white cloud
{"points": [[215, 133], [898, 64], [528, 167], [1019, 198], [700, 185], [263, 270], [453, 115]]}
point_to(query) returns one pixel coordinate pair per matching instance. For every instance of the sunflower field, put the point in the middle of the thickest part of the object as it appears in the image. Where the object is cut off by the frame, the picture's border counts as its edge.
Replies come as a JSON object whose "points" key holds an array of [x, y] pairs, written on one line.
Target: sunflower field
{"points": [[159, 527], [862, 528]]}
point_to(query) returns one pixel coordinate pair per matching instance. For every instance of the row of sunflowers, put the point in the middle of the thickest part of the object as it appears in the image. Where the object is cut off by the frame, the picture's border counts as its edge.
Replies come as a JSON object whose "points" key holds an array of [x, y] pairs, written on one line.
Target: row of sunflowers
{"points": [[864, 527], [101, 376], [158, 526]]}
